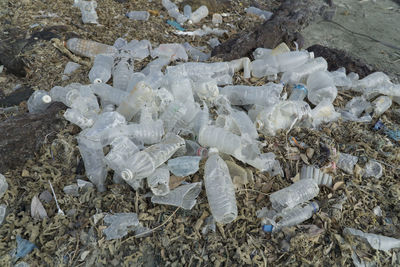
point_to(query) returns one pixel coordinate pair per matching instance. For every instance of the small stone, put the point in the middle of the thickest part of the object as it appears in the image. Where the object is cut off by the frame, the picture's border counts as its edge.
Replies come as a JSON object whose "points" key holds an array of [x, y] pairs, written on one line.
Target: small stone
{"points": [[46, 196], [3, 209], [25, 173], [72, 190], [310, 152], [3, 185]]}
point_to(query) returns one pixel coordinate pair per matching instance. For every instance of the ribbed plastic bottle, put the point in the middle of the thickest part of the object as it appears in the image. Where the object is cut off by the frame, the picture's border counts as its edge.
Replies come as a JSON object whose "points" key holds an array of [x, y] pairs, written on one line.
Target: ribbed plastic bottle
{"points": [[75, 117], [321, 86], [194, 149], [138, 15], [373, 80], [381, 104], [122, 70], [199, 14], [300, 73], [38, 101], [223, 140], [88, 48], [219, 188], [101, 70], [187, 11], [294, 216], [299, 92], [265, 95], [299, 192], [109, 93], [173, 11], [174, 112]]}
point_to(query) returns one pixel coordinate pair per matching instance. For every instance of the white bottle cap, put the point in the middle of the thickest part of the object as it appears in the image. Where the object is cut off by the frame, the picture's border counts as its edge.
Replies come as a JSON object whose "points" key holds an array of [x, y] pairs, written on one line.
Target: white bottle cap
{"points": [[97, 80], [46, 99], [126, 174]]}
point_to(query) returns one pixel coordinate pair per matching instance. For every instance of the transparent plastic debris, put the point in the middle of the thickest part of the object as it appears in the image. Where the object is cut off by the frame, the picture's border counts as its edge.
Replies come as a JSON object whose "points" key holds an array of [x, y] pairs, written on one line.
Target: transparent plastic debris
{"points": [[76, 117], [299, 92], [72, 190], [119, 224], [282, 62], [38, 101], [158, 181], [373, 169], [3, 210], [300, 73], [299, 192], [283, 115], [321, 178], [183, 196], [3, 185], [139, 50], [173, 51], [120, 42], [59, 210], [223, 140], [24, 247], [264, 95], [82, 184], [101, 70], [88, 48], [263, 14], [37, 210], [216, 19], [88, 10], [320, 87], [82, 98], [324, 112], [184, 166], [341, 80], [373, 80], [187, 11], [174, 112], [122, 70], [173, 11], [138, 15], [198, 14], [262, 52], [206, 90], [346, 162], [379, 242], [214, 42], [238, 174], [381, 105], [108, 93], [203, 32], [196, 54], [209, 225], [219, 188], [357, 105], [70, 68], [377, 211], [241, 64], [292, 216], [239, 123]]}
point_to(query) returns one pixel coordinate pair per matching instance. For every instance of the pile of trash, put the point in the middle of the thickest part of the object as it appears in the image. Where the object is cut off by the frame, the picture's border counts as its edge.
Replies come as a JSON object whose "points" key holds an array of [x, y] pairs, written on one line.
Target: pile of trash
{"points": [[173, 114]]}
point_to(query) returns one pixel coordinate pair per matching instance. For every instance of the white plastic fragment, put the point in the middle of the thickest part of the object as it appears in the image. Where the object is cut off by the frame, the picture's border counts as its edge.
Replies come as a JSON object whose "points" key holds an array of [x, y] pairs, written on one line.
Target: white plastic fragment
{"points": [[321, 178], [138, 15], [3, 210], [373, 169], [346, 162], [379, 242], [88, 10], [265, 15], [3, 185], [37, 209], [119, 224], [158, 181], [184, 166], [183, 196]]}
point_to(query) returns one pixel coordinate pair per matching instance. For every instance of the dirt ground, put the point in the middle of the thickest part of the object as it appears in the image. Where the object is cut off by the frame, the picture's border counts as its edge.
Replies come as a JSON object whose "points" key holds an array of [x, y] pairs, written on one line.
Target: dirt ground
{"points": [[77, 240]]}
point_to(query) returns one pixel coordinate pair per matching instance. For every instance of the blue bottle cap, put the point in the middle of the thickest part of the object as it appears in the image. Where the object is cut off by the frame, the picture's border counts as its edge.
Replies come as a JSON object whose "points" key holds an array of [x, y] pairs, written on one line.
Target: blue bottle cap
{"points": [[378, 125], [301, 87], [267, 228]]}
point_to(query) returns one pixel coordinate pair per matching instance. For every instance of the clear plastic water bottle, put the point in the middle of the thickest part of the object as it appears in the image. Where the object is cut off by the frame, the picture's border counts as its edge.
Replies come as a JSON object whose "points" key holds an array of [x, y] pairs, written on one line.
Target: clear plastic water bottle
{"points": [[265, 15], [138, 15], [109, 93], [292, 217], [158, 181], [219, 188], [38, 101], [88, 48], [88, 10], [76, 117], [265, 95], [101, 70], [321, 86], [301, 73], [199, 14], [299, 192], [174, 112], [187, 11], [373, 80], [223, 140], [173, 11], [122, 70], [299, 92], [194, 149], [381, 105]]}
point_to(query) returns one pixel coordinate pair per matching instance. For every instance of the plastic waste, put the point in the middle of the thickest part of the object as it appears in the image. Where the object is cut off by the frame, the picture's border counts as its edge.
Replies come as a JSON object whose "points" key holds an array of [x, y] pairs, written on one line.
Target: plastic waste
{"points": [[175, 24], [24, 247], [209, 225], [299, 92], [321, 178], [184, 166], [70, 68], [101, 70], [120, 43], [88, 48], [183, 196], [373, 80], [341, 80], [187, 11], [299, 192], [379, 242], [3, 210], [202, 32], [216, 19], [300, 73], [391, 132], [119, 224], [199, 14], [381, 105], [214, 42], [138, 15], [38, 101], [265, 15], [320, 87], [172, 51], [72, 190], [75, 116], [122, 70], [373, 169], [158, 181], [290, 217], [173, 11], [37, 210], [138, 49], [324, 112], [3, 185], [219, 188], [195, 54], [346, 162], [88, 10]]}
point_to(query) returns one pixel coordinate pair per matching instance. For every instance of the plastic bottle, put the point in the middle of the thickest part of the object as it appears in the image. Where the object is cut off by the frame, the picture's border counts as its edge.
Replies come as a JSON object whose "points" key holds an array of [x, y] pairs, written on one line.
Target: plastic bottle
{"points": [[293, 216], [299, 92], [194, 149], [321, 178], [219, 188], [223, 140], [172, 51], [38, 101], [381, 105], [75, 117], [89, 48], [122, 70], [174, 112], [324, 112], [373, 80], [101, 70], [299, 192], [138, 15], [184, 166], [199, 14], [109, 93], [320, 86], [301, 73], [379, 242], [265, 15], [195, 54], [88, 10], [187, 11], [173, 11], [158, 181], [214, 42], [138, 49], [265, 95], [216, 19]]}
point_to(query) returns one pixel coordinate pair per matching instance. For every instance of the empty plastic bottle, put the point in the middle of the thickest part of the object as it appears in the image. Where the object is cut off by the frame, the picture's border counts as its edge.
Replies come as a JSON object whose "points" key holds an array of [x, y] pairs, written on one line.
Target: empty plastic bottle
{"points": [[264, 95], [38, 101], [299, 92], [172, 51], [324, 112], [199, 14], [173, 11], [320, 86], [265, 15], [138, 15], [216, 19], [381, 105], [101, 70], [187, 11], [219, 188], [109, 93], [299, 192], [75, 117], [89, 48], [122, 70], [373, 80], [194, 149], [195, 54], [174, 112], [293, 216], [158, 181], [301, 73], [88, 10], [223, 140]]}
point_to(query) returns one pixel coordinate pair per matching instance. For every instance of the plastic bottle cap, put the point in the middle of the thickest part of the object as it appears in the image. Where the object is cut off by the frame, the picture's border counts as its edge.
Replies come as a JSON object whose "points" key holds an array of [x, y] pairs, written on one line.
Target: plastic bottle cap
{"points": [[267, 228], [126, 174], [97, 80], [46, 99]]}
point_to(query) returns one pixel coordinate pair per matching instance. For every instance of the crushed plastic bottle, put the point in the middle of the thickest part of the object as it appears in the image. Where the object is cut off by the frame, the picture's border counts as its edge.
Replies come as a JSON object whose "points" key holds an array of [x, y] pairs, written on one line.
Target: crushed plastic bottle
{"points": [[158, 181], [119, 224], [381, 105], [219, 188], [38, 102], [101, 70], [324, 112], [3, 185], [88, 48], [300, 74], [70, 68], [379, 242], [265, 15], [173, 11], [265, 95], [320, 87], [184, 166], [183, 196], [299, 92], [299, 192], [88, 10], [138, 15], [122, 70], [171, 51], [199, 14], [346, 162], [321, 178]]}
